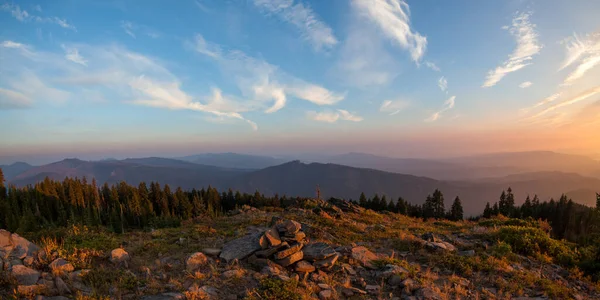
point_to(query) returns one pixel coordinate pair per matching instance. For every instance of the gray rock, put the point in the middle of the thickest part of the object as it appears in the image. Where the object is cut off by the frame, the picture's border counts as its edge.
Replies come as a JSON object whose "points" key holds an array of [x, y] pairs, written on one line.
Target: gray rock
{"points": [[317, 251], [364, 256], [325, 294], [28, 261], [304, 267], [440, 246], [287, 252], [290, 227], [195, 261], [60, 265], [61, 286], [25, 275], [240, 248], [328, 262], [232, 274], [297, 256], [211, 251], [119, 256], [16, 246]]}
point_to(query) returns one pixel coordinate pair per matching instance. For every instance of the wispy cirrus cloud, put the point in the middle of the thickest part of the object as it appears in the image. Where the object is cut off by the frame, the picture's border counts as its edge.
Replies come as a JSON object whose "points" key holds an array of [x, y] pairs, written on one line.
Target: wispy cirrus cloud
{"points": [[333, 116], [432, 66], [261, 81], [24, 16], [73, 55], [131, 28], [448, 104], [527, 46], [301, 16], [111, 72], [392, 17], [543, 102], [443, 84], [525, 84], [393, 107], [570, 101], [584, 52], [10, 99]]}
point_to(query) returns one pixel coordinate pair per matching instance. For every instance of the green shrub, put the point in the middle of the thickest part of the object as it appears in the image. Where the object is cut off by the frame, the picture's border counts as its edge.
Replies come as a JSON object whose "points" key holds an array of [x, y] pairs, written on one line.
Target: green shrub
{"points": [[535, 242], [275, 289]]}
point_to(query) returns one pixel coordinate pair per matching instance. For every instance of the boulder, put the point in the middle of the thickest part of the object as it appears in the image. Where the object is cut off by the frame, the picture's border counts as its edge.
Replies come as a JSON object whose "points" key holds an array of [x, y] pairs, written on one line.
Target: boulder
{"points": [[440, 246], [318, 251], [304, 267], [195, 261], [61, 286], [25, 275], [363, 255], [240, 248], [17, 246], [28, 261], [119, 256], [287, 252], [60, 265], [297, 256], [32, 289]]}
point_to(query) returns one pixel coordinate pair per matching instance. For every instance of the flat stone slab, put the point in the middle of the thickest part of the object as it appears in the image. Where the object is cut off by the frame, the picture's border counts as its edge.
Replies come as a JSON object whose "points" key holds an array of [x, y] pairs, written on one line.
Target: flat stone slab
{"points": [[317, 251], [241, 248]]}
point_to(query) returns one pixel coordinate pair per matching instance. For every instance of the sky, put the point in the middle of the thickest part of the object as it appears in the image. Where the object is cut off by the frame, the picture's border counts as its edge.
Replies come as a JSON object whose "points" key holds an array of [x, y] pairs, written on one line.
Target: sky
{"points": [[427, 78]]}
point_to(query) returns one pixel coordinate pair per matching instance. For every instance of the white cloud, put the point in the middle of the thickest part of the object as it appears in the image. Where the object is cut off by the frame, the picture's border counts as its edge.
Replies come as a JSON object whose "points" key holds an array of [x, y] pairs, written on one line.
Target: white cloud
{"points": [[313, 30], [261, 81], [585, 52], [545, 101], [13, 100], [393, 107], [432, 66], [333, 116], [112, 73], [443, 84], [131, 29], [347, 116], [567, 102], [392, 17], [527, 46], [363, 61], [73, 55], [525, 84], [37, 8], [448, 104], [200, 4], [23, 16]]}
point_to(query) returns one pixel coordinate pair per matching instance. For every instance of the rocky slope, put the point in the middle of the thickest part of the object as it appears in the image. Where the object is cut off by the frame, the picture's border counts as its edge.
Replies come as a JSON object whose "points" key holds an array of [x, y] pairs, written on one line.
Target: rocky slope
{"points": [[317, 250]]}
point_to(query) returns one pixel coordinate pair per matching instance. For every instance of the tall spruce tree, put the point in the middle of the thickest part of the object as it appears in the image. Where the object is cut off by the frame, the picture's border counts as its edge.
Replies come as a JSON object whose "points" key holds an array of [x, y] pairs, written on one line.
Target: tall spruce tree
{"points": [[456, 211]]}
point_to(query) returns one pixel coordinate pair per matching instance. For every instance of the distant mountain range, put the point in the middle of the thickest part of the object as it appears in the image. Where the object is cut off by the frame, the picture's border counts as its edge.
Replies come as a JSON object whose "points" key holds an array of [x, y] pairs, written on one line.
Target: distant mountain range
{"points": [[477, 180]]}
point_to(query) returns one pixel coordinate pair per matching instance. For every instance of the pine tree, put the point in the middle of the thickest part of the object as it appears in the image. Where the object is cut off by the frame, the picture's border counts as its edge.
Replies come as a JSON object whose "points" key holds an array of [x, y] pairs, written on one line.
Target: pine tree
{"points": [[383, 205], [401, 206], [487, 211], [1, 179], [456, 211], [597, 201], [362, 201]]}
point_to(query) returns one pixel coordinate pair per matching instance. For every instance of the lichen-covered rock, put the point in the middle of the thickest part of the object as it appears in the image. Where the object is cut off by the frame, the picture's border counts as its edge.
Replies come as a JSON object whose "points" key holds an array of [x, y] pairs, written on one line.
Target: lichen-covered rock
{"points": [[195, 261], [13, 245], [211, 251], [241, 248], [61, 286], [25, 275]]}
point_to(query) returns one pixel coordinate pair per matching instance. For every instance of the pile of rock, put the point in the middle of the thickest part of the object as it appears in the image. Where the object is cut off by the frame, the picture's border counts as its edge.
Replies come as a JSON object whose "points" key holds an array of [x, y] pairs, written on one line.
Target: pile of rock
{"points": [[283, 245], [435, 243]]}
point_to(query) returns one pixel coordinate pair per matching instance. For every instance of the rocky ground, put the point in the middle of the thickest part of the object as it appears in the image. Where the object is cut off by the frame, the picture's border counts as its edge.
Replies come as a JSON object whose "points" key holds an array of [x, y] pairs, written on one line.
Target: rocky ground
{"points": [[317, 250]]}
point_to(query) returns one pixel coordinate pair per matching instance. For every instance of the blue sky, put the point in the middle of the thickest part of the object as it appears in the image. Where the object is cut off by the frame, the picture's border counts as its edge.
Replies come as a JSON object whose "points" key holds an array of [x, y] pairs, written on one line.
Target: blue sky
{"points": [[401, 78]]}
